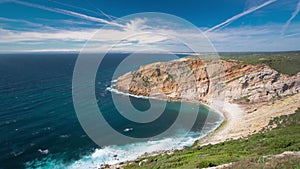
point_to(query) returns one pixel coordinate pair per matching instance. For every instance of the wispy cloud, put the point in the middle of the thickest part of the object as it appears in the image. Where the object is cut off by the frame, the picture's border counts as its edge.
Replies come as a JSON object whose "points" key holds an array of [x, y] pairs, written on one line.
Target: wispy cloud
{"points": [[134, 30], [29, 25], [144, 33], [21, 21], [70, 13], [246, 38], [294, 14], [10, 36], [240, 15], [255, 38]]}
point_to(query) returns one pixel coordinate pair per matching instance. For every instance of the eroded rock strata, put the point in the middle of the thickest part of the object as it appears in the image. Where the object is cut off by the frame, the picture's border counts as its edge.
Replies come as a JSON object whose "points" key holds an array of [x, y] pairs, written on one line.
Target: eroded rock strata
{"points": [[196, 80]]}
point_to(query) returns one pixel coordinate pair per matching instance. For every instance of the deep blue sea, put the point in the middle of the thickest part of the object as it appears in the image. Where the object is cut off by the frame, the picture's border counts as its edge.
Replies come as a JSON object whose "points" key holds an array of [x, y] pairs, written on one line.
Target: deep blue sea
{"points": [[39, 127]]}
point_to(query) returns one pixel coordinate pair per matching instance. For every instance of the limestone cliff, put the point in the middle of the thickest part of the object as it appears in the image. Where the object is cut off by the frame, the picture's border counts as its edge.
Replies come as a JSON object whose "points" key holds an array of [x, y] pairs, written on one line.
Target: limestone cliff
{"points": [[196, 80]]}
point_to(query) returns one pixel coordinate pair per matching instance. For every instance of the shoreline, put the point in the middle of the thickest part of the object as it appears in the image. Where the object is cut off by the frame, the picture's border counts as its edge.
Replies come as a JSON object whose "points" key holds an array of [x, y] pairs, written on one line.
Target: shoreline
{"points": [[229, 120], [249, 119], [237, 120], [154, 153]]}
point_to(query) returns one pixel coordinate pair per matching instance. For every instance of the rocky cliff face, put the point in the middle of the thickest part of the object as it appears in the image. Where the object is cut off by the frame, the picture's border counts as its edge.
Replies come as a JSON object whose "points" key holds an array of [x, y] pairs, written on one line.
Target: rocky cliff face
{"points": [[196, 80], [262, 84]]}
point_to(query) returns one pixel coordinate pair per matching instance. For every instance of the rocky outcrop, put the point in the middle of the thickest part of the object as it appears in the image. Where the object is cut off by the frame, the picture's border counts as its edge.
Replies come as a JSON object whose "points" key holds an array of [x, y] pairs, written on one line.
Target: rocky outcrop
{"points": [[263, 84], [197, 80]]}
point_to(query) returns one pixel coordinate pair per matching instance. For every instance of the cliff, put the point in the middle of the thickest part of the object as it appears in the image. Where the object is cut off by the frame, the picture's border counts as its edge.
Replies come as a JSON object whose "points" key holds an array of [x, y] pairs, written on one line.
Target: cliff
{"points": [[197, 80]]}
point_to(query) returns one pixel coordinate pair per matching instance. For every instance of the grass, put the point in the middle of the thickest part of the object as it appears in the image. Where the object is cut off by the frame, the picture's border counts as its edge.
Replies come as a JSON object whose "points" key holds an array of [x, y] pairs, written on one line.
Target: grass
{"points": [[246, 99], [286, 137], [287, 162], [284, 62]]}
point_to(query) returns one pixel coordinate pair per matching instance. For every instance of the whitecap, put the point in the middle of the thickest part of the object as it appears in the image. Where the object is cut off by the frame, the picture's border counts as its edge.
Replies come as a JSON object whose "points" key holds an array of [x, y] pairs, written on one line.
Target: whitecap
{"points": [[46, 151], [116, 154], [64, 136], [128, 129]]}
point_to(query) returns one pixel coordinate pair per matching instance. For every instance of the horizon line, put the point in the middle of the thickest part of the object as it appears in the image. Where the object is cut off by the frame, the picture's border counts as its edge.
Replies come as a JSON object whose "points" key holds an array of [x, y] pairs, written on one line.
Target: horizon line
{"points": [[127, 52]]}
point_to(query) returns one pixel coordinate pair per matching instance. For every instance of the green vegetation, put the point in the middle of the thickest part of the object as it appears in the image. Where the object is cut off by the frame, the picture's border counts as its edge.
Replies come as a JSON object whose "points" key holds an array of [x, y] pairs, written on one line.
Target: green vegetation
{"points": [[243, 100], [283, 62], [246, 98], [137, 74], [146, 81], [286, 162], [170, 78], [250, 152]]}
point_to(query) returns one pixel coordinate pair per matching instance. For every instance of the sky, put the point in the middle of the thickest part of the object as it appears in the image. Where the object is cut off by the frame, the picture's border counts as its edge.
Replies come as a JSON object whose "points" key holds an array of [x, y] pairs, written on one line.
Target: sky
{"points": [[227, 25]]}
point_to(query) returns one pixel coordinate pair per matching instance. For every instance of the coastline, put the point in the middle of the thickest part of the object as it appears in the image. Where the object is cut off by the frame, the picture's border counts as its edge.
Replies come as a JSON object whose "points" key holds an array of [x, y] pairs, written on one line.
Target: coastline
{"points": [[242, 121], [239, 120], [231, 113], [214, 109]]}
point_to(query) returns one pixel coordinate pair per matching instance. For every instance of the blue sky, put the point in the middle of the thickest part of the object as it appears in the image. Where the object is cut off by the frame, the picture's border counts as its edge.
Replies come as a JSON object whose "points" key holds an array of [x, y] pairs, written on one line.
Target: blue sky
{"points": [[66, 25]]}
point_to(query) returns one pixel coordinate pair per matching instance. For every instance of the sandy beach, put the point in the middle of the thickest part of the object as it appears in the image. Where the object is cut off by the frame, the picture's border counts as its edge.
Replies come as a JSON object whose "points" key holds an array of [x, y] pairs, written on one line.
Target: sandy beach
{"points": [[244, 120]]}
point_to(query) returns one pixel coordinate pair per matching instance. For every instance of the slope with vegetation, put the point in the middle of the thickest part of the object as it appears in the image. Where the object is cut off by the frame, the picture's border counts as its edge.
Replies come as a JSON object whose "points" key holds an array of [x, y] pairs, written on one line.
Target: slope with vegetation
{"points": [[265, 85], [253, 152], [284, 62]]}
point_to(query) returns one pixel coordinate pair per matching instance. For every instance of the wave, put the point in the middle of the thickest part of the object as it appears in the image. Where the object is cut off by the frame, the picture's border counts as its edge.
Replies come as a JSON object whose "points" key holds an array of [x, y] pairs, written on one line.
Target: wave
{"points": [[46, 151], [116, 154]]}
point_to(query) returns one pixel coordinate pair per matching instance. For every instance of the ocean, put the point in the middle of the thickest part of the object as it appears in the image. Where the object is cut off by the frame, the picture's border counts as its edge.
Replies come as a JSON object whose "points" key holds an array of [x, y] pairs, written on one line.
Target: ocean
{"points": [[39, 126]]}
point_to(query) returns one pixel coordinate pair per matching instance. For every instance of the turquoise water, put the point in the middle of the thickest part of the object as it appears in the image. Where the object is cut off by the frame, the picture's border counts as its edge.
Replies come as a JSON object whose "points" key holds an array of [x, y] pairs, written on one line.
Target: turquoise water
{"points": [[39, 127]]}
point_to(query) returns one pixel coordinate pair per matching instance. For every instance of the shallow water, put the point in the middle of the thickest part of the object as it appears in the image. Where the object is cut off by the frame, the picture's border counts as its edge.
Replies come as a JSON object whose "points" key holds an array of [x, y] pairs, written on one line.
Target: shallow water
{"points": [[39, 127]]}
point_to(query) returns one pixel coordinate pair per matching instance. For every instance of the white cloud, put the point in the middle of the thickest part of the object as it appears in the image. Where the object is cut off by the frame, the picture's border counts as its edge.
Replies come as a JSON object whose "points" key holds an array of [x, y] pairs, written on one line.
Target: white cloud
{"points": [[9, 36], [138, 34], [67, 12], [136, 25]]}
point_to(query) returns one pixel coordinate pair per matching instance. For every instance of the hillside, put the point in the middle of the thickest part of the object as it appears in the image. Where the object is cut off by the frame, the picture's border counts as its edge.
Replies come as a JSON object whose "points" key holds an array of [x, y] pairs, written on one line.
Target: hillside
{"points": [[260, 97], [193, 79], [257, 151]]}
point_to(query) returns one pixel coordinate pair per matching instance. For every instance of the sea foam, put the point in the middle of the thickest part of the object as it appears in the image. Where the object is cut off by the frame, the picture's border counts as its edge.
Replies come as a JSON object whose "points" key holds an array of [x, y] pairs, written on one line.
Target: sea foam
{"points": [[116, 154]]}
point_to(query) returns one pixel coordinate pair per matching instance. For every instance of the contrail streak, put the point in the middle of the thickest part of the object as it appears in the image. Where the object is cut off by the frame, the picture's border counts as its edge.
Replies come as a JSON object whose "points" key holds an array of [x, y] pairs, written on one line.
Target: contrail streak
{"points": [[70, 13], [106, 15], [83, 9], [295, 13], [240, 15]]}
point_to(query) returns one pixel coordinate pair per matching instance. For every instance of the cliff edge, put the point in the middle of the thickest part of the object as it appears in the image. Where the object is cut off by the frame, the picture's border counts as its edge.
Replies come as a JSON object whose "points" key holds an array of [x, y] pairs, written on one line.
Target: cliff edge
{"points": [[193, 79]]}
